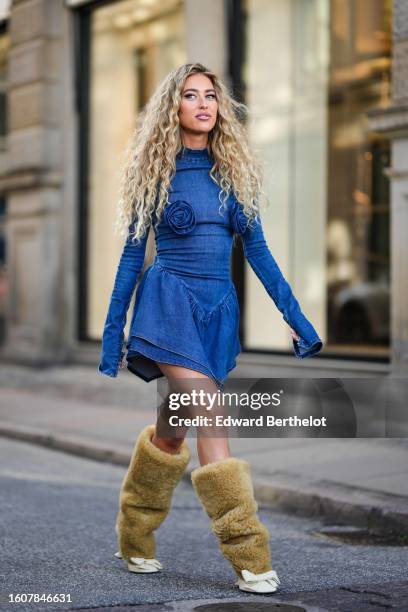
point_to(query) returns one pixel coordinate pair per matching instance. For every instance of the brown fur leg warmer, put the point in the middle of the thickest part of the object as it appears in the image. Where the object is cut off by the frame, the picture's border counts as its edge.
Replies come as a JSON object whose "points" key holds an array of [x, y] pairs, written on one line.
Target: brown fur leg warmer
{"points": [[226, 492], [145, 495]]}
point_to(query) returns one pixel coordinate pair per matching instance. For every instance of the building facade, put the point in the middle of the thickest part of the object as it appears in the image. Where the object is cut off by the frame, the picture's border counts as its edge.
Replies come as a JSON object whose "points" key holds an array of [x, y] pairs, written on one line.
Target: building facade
{"points": [[326, 85]]}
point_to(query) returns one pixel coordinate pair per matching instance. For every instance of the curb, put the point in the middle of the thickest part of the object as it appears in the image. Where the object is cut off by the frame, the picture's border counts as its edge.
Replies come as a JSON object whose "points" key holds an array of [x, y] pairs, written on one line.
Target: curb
{"points": [[339, 503], [85, 449], [283, 491]]}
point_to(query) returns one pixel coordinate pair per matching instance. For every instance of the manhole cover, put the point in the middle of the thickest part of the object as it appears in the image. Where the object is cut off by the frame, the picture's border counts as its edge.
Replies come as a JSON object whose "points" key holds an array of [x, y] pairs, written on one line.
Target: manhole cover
{"points": [[234, 606], [362, 536]]}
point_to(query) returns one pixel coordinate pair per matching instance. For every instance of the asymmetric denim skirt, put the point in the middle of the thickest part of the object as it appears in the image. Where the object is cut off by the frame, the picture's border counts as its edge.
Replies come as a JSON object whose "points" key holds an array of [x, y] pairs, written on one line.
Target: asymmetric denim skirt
{"points": [[170, 324]]}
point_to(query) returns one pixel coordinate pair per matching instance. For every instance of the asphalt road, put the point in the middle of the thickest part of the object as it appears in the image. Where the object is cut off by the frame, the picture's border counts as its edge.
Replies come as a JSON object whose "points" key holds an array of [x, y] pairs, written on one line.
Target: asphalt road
{"points": [[57, 536]]}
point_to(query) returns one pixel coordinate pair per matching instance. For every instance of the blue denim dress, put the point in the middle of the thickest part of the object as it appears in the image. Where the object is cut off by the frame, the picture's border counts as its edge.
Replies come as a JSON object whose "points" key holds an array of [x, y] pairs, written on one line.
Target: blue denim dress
{"points": [[186, 309]]}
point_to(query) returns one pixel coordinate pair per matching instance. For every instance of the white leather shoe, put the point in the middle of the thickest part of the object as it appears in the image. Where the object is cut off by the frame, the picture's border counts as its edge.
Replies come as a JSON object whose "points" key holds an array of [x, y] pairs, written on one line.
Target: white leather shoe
{"points": [[146, 566], [141, 565], [258, 583]]}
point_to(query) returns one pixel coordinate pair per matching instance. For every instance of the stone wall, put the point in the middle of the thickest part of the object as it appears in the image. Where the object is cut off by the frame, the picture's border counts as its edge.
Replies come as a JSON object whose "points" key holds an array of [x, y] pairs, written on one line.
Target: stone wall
{"points": [[33, 182]]}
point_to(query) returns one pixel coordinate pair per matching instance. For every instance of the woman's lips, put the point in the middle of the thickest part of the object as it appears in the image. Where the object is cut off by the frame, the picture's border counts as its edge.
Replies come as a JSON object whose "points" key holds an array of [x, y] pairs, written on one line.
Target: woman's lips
{"points": [[203, 117]]}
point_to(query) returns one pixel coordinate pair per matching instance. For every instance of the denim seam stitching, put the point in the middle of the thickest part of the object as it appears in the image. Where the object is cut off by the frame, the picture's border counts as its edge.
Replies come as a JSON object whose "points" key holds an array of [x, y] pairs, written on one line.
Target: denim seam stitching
{"points": [[206, 315]]}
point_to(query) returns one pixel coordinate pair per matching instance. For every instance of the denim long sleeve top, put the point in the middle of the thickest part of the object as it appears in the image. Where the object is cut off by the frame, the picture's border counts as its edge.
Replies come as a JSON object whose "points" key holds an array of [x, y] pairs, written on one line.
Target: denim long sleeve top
{"points": [[186, 305]]}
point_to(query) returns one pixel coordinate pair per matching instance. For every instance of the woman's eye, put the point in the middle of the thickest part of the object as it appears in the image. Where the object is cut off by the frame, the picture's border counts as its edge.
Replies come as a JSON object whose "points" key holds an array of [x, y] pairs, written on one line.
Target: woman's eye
{"points": [[189, 95]]}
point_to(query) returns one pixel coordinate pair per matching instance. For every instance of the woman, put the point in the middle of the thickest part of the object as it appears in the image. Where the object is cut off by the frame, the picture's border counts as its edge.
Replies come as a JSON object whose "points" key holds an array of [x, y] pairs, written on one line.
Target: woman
{"points": [[191, 175]]}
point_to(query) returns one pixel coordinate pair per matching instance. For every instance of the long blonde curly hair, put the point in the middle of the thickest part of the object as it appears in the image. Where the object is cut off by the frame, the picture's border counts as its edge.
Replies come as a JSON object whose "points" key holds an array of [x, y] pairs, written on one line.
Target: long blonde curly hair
{"points": [[153, 146]]}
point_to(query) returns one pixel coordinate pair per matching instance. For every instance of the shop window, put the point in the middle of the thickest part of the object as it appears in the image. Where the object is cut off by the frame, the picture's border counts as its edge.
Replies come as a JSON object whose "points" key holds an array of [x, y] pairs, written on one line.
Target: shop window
{"points": [[132, 46], [312, 69]]}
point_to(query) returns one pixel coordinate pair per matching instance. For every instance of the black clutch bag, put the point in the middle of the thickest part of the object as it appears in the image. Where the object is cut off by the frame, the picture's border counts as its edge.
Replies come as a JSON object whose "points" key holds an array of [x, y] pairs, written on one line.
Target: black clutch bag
{"points": [[143, 367]]}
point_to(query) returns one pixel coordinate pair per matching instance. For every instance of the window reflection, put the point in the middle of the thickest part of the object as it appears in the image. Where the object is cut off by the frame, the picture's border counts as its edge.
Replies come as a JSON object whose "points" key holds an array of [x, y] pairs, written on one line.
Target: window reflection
{"points": [[134, 44], [358, 189], [313, 68]]}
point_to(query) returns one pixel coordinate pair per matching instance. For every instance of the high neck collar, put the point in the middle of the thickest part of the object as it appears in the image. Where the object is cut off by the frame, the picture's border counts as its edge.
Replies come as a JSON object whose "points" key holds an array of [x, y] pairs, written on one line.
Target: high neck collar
{"points": [[187, 153]]}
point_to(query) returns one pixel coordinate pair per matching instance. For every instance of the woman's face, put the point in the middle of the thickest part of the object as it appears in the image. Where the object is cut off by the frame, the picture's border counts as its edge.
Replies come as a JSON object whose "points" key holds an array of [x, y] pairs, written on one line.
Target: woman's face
{"points": [[198, 105]]}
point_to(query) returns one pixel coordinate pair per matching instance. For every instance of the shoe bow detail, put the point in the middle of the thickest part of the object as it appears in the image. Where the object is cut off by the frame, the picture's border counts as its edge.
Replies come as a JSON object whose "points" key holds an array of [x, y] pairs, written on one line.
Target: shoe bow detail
{"points": [[252, 580], [146, 563]]}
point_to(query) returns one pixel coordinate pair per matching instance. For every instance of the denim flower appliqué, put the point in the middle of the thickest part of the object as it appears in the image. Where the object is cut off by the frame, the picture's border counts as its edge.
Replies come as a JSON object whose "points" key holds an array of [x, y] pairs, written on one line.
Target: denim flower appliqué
{"points": [[180, 216], [239, 220]]}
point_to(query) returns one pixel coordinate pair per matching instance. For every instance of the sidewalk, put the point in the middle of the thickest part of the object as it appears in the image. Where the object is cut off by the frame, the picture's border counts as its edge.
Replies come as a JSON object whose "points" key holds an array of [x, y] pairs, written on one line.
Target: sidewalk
{"points": [[76, 409]]}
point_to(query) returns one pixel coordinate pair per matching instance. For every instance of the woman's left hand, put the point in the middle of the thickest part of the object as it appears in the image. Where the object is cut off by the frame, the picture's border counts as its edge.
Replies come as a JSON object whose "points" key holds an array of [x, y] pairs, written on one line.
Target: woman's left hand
{"points": [[294, 334]]}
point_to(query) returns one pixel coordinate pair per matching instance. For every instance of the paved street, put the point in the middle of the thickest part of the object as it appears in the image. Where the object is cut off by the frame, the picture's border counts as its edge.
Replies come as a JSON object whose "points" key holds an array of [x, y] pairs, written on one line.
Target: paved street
{"points": [[57, 519]]}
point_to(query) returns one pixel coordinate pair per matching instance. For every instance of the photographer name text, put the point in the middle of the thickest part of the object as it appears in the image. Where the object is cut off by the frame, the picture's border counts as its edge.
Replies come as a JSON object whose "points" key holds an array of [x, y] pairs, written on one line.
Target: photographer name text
{"points": [[260, 421]]}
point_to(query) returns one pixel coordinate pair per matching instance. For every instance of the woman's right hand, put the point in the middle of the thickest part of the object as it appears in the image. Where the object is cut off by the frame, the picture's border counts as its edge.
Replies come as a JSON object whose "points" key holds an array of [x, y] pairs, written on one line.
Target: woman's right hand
{"points": [[294, 334]]}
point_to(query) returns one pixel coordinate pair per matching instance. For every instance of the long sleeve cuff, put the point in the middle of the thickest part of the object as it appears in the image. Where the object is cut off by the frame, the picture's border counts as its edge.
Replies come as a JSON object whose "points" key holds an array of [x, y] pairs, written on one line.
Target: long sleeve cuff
{"points": [[108, 371], [304, 349]]}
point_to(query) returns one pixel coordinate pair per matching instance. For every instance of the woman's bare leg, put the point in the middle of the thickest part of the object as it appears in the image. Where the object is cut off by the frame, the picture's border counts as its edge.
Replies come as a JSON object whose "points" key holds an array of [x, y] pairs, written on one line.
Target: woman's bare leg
{"points": [[209, 448]]}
